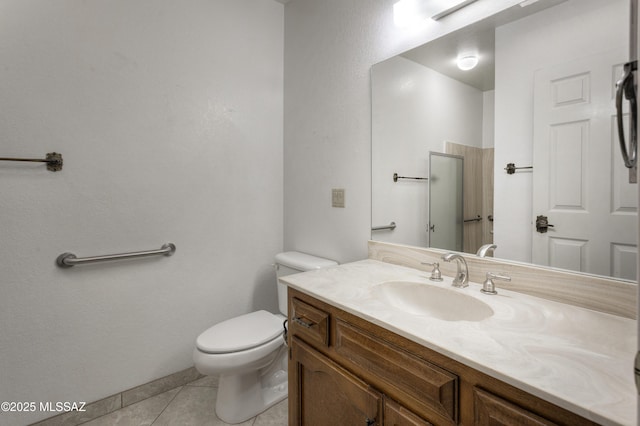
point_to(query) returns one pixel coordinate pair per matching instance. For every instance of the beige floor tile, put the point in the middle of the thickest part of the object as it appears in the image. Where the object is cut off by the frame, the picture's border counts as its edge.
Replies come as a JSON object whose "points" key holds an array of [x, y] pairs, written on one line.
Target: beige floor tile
{"points": [[274, 416], [159, 386], [142, 413], [210, 381], [193, 406]]}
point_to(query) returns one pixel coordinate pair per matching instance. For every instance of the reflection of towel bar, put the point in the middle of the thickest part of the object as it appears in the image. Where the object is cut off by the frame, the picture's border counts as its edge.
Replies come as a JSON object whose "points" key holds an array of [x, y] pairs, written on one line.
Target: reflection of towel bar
{"points": [[511, 168], [475, 219], [396, 177], [391, 226]]}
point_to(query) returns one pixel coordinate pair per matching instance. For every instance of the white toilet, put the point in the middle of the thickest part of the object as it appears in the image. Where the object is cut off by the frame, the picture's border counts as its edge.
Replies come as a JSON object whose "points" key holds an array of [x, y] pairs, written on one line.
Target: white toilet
{"points": [[249, 353]]}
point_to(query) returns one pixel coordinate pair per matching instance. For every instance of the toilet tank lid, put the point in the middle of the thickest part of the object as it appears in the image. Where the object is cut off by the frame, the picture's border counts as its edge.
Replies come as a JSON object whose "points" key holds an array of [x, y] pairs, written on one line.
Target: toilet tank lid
{"points": [[240, 333], [302, 261]]}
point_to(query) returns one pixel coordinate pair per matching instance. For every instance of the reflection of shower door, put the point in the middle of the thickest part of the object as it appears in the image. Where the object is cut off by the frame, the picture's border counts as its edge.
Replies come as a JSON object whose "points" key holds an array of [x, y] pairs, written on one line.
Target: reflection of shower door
{"points": [[445, 201]]}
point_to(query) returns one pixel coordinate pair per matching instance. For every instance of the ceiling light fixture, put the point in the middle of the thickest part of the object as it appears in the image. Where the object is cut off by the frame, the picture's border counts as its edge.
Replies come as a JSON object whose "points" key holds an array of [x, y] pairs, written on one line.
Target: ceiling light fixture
{"points": [[467, 62]]}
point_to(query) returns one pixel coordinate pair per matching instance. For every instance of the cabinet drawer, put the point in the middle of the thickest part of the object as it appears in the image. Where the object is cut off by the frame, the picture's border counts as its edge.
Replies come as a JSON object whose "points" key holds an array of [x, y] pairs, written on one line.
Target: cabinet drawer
{"points": [[309, 323], [491, 410], [423, 387]]}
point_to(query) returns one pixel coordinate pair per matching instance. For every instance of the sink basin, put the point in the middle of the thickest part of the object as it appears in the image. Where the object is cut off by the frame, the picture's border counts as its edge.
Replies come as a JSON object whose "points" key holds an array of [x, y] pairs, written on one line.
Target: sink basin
{"points": [[428, 300]]}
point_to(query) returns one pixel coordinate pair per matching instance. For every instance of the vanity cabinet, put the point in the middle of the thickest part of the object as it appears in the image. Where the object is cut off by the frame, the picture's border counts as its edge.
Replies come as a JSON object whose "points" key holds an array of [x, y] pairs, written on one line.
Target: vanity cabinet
{"points": [[330, 395], [344, 370]]}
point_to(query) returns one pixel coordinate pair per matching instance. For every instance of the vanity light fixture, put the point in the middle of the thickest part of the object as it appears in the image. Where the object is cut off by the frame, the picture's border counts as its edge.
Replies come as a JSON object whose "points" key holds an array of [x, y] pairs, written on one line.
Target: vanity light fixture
{"points": [[526, 3], [442, 8], [467, 62], [408, 13]]}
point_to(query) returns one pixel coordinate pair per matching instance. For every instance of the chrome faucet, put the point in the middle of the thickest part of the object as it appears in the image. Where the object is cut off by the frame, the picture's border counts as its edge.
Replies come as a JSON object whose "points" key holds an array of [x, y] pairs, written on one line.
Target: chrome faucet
{"points": [[462, 275], [482, 251]]}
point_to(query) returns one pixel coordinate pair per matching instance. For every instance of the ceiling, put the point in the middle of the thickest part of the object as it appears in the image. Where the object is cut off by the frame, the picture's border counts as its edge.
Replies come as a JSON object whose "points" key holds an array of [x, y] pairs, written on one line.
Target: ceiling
{"points": [[441, 54]]}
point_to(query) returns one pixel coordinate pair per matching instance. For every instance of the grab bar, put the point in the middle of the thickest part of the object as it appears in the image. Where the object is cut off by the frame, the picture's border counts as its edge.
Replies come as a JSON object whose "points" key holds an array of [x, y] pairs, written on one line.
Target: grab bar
{"points": [[53, 160], [67, 260], [391, 226]]}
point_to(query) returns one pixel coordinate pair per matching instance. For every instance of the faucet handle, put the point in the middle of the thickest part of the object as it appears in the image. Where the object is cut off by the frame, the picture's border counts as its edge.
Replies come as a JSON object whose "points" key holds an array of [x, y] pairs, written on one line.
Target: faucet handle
{"points": [[436, 275], [488, 287]]}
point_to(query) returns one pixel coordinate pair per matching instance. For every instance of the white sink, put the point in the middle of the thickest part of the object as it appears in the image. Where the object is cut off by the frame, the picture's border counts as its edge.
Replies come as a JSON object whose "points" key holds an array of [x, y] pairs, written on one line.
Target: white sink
{"points": [[428, 300]]}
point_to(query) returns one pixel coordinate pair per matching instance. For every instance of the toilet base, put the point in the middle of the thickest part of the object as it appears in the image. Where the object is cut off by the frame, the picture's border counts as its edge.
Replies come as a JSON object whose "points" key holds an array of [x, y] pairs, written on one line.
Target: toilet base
{"points": [[243, 396]]}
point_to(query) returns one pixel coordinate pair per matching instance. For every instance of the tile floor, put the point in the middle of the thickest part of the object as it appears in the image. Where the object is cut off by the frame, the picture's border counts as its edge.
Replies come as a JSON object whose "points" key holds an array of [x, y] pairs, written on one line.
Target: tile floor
{"points": [[192, 404]]}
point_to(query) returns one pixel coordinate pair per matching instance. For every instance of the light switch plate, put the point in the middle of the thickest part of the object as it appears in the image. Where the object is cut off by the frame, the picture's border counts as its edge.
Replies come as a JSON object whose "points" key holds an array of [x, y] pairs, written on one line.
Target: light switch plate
{"points": [[337, 197]]}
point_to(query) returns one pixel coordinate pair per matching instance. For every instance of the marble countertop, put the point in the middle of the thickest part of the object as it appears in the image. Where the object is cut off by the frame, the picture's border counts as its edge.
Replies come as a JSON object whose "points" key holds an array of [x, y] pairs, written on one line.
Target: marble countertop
{"points": [[578, 359]]}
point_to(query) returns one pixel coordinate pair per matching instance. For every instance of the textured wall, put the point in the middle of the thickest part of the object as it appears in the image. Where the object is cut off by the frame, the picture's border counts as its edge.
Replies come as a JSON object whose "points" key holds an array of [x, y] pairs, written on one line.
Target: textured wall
{"points": [[169, 118]]}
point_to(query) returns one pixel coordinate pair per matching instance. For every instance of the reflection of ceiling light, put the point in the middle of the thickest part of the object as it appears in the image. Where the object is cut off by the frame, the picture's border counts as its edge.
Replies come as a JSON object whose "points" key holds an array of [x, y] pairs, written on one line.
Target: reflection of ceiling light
{"points": [[467, 62]]}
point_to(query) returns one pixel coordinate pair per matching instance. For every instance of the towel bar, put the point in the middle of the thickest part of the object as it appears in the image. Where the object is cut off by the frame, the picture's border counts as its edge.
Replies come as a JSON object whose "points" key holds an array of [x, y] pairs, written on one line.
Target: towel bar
{"points": [[53, 160]]}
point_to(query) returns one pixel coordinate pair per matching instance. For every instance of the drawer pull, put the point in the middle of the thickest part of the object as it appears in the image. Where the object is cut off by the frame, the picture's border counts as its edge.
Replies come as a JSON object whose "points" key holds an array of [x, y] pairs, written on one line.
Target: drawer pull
{"points": [[305, 324], [370, 422]]}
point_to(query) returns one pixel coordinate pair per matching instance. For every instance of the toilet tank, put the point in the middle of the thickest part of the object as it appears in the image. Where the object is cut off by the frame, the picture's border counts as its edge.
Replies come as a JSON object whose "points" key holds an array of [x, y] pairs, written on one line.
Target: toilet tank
{"points": [[293, 262]]}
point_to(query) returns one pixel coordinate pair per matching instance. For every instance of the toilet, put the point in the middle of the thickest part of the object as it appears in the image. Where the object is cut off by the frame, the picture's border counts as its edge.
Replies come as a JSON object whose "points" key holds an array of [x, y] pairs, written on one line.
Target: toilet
{"points": [[248, 352]]}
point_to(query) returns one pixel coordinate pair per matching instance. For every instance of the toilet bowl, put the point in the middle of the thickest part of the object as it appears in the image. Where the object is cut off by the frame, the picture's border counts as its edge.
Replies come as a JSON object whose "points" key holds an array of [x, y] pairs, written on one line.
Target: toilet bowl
{"points": [[249, 353]]}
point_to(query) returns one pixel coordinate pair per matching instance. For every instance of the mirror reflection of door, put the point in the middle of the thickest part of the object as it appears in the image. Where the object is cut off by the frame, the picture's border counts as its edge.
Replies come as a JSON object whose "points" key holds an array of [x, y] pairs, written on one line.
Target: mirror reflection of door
{"points": [[445, 201], [579, 181]]}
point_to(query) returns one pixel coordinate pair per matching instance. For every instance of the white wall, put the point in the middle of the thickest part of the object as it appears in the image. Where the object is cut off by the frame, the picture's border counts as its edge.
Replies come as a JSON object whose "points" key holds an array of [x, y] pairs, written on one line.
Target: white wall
{"points": [[488, 118], [586, 27], [415, 110], [330, 46], [169, 118]]}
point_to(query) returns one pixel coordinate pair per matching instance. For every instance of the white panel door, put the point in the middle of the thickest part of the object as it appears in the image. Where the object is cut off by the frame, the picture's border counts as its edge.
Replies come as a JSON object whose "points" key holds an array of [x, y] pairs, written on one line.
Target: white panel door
{"points": [[579, 181]]}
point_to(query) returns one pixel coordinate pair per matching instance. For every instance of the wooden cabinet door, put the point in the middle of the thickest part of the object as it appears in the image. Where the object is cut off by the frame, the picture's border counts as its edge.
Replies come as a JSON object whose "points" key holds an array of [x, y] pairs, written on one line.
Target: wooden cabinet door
{"points": [[397, 415], [491, 410], [327, 394]]}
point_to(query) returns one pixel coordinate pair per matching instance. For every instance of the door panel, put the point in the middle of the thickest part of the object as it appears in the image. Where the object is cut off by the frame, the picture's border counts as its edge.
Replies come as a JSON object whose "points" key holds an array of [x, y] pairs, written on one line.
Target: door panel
{"points": [[579, 182]]}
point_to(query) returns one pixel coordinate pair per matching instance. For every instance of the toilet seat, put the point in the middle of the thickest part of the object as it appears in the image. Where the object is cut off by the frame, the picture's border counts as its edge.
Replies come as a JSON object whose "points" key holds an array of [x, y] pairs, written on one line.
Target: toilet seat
{"points": [[240, 333]]}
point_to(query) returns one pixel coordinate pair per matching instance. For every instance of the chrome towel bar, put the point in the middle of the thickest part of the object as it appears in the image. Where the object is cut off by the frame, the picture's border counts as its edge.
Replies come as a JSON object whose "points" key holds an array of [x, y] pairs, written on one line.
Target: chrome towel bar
{"points": [[67, 260]]}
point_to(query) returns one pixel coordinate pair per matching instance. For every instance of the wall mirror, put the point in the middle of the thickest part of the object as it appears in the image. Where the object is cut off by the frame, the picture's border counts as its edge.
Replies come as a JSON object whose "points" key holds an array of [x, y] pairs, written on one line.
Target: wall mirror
{"points": [[540, 98]]}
